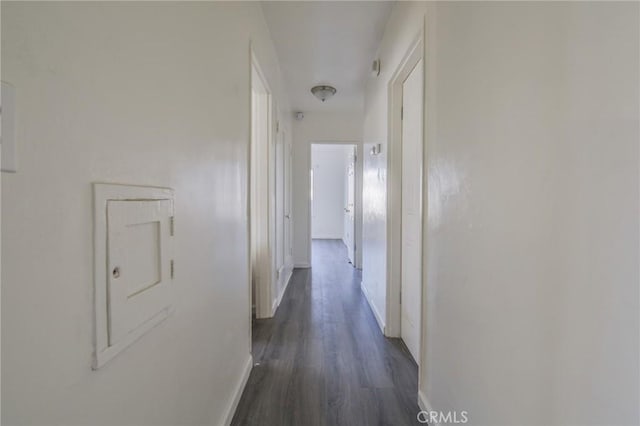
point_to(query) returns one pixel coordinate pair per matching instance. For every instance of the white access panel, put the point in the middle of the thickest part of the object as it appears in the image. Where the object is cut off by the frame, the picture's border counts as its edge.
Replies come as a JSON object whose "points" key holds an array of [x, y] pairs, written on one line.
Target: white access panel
{"points": [[139, 282], [133, 264]]}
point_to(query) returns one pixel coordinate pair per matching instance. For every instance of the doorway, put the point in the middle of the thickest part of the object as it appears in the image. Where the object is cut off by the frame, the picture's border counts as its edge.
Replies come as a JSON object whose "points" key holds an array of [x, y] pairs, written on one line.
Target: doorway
{"points": [[333, 194], [350, 206], [405, 202], [260, 204], [411, 217]]}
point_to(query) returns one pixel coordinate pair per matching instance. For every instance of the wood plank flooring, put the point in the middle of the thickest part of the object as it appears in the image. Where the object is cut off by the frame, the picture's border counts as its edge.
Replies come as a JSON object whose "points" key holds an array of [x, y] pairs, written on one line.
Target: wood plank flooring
{"points": [[322, 360]]}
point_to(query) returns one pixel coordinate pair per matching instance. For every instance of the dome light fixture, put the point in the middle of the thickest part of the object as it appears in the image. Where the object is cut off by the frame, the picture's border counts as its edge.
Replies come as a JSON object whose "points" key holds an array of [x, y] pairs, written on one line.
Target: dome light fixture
{"points": [[323, 92]]}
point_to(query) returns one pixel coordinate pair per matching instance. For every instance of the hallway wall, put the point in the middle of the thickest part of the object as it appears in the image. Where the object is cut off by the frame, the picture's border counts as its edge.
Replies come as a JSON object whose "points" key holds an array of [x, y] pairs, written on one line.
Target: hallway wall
{"points": [[533, 197], [319, 127], [141, 93]]}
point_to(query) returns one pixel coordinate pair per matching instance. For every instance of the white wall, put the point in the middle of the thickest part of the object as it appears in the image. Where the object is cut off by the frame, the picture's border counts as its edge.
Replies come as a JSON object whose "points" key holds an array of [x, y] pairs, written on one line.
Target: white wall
{"points": [[141, 93], [532, 228], [318, 127], [329, 176]]}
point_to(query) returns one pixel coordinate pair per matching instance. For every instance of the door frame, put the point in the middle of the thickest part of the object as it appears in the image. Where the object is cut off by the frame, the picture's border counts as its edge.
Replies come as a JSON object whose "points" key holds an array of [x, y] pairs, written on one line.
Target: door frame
{"points": [[352, 188], [288, 209], [358, 192], [413, 55], [263, 300]]}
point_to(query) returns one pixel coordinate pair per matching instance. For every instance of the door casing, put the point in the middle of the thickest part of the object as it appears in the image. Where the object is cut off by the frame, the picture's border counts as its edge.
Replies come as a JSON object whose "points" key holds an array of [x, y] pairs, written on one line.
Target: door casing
{"points": [[392, 328], [261, 193], [411, 209]]}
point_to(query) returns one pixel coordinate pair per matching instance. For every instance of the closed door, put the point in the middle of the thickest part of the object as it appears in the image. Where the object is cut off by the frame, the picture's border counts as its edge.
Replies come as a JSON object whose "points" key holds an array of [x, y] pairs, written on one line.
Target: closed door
{"points": [[411, 280], [349, 210], [139, 264], [280, 202], [287, 204]]}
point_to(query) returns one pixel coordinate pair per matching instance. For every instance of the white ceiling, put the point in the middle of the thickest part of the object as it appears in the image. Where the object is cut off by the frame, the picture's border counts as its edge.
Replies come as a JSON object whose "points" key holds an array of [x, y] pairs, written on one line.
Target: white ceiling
{"points": [[326, 42]]}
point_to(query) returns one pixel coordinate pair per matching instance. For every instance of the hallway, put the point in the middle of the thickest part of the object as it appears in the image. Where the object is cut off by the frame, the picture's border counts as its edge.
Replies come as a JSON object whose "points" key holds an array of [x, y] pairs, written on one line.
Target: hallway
{"points": [[322, 360], [170, 170]]}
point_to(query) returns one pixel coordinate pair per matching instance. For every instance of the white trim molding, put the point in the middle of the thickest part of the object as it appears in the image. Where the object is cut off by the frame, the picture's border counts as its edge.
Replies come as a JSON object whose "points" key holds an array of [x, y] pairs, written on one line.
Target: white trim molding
{"points": [[288, 274], [261, 194], [237, 394], [376, 314], [394, 187], [425, 405]]}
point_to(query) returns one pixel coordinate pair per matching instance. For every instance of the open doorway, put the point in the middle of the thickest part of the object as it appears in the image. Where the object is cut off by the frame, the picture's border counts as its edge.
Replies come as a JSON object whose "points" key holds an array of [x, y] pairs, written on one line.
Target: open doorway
{"points": [[333, 195], [269, 209], [260, 232]]}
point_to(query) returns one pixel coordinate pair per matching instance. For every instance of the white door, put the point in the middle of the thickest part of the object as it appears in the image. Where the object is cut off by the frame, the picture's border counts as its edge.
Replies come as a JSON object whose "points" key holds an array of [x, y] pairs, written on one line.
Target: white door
{"points": [[411, 280], [139, 264], [349, 210], [287, 203], [280, 206]]}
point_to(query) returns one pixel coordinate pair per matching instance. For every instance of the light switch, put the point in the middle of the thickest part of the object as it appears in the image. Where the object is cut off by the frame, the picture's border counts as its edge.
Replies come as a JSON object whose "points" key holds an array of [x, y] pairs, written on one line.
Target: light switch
{"points": [[8, 129], [133, 240]]}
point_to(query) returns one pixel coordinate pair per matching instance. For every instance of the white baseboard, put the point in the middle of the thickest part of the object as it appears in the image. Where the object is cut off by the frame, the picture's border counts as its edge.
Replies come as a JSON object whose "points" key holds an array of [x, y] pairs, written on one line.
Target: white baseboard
{"points": [[376, 314], [424, 405], [237, 394], [304, 265], [276, 303], [286, 284], [344, 242]]}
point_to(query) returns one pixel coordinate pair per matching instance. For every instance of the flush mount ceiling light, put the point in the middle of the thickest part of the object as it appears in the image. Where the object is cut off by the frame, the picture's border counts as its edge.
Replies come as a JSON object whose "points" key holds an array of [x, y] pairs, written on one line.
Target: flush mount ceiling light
{"points": [[323, 92]]}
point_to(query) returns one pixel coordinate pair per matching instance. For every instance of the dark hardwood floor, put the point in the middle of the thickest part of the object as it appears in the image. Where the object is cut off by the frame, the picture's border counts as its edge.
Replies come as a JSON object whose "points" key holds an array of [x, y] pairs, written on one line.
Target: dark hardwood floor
{"points": [[322, 360]]}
